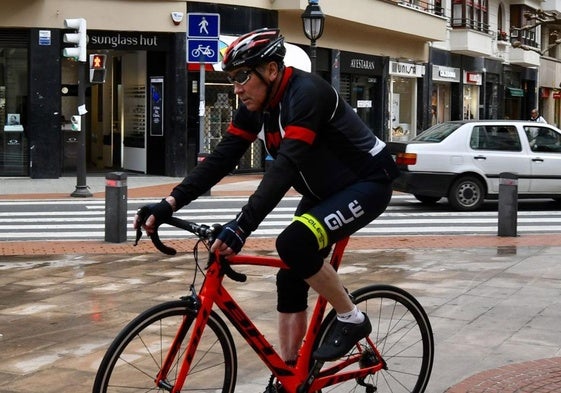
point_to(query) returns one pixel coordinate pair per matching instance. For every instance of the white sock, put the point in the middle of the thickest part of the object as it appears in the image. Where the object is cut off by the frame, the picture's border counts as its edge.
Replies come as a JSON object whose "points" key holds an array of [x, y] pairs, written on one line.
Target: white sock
{"points": [[353, 316]]}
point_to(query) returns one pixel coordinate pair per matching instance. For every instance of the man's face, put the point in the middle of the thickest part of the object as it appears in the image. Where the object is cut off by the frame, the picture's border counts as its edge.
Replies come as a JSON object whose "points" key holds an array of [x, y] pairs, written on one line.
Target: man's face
{"points": [[534, 114], [249, 87]]}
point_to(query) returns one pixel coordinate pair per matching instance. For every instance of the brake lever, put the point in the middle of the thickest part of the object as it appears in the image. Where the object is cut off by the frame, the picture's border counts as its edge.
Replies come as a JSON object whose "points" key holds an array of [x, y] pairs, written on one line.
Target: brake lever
{"points": [[138, 236], [143, 215]]}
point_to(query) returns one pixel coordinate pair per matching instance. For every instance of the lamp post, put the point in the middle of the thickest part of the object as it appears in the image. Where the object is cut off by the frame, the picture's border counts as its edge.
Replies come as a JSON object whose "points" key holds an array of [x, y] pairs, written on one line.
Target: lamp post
{"points": [[312, 22]]}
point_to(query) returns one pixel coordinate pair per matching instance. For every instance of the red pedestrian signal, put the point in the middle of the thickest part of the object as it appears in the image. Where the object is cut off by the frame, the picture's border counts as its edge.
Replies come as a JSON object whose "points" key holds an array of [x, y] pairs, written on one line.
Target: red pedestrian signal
{"points": [[97, 68], [98, 61]]}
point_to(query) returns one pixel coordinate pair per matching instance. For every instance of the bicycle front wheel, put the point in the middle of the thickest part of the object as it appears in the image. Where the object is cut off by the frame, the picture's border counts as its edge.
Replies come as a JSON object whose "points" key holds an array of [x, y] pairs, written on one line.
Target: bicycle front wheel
{"points": [[401, 332], [133, 360]]}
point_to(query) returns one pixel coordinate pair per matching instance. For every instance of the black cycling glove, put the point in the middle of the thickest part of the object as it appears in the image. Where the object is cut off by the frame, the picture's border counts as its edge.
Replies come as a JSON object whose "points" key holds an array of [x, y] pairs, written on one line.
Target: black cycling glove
{"points": [[233, 235], [162, 211]]}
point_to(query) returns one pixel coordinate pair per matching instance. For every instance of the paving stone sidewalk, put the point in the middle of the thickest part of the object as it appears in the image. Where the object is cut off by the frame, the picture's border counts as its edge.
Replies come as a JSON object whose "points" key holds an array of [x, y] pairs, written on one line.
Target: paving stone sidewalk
{"points": [[535, 376]]}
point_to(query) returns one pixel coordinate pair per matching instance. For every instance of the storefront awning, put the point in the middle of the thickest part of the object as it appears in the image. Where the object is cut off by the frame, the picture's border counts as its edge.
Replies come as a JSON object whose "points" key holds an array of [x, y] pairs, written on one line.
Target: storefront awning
{"points": [[295, 56], [515, 92]]}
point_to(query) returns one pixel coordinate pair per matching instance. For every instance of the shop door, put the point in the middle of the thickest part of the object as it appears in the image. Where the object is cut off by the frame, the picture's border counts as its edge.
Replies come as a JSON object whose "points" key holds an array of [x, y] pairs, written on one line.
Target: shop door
{"points": [[14, 147], [133, 110], [363, 93], [221, 102], [440, 103], [471, 102], [513, 108], [117, 127]]}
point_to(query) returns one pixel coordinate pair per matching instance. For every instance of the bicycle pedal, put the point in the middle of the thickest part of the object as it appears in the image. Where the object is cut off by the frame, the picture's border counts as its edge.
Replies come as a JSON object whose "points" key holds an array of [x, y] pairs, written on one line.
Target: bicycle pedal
{"points": [[274, 386]]}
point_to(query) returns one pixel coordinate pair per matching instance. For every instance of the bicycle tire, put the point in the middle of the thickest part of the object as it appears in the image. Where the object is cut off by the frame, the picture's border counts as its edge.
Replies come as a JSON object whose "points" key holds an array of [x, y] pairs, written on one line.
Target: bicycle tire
{"points": [[133, 360], [402, 333]]}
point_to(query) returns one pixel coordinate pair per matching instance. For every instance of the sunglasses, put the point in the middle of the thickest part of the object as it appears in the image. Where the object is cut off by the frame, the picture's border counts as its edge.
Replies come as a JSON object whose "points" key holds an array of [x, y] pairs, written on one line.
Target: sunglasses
{"points": [[240, 78]]}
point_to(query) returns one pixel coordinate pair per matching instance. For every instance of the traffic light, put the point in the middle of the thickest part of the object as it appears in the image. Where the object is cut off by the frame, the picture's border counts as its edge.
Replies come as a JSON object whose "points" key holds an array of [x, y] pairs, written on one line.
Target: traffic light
{"points": [[79, 38], [97, 68]]}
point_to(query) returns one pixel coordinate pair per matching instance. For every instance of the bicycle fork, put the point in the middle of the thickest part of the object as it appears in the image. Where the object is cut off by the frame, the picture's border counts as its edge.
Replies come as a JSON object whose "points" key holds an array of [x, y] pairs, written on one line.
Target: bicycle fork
{"points": [[200, 322]]}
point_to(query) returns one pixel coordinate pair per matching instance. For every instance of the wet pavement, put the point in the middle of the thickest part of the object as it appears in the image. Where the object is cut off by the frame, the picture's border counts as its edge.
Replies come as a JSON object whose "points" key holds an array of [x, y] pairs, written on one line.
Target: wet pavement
{"points": [[490, 307], [494, 302]]}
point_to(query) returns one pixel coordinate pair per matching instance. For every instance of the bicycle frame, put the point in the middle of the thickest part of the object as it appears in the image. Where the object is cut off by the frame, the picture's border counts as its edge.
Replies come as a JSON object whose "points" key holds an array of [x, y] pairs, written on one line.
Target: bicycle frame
{"points": [[213, 293]]}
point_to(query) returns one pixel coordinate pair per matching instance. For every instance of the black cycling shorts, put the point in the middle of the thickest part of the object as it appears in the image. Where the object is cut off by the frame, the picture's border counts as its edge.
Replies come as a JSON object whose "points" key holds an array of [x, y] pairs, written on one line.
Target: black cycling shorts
{"points": [[305, 243]]}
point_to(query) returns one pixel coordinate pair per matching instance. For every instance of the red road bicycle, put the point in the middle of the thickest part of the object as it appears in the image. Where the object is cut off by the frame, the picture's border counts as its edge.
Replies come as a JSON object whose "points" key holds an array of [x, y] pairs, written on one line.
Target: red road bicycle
{"points": [[185, 345]]}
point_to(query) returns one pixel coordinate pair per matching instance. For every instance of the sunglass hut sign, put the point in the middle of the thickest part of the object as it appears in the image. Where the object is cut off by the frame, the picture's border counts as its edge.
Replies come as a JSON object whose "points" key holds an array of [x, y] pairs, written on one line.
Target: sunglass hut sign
{"points": [[120, 40]]}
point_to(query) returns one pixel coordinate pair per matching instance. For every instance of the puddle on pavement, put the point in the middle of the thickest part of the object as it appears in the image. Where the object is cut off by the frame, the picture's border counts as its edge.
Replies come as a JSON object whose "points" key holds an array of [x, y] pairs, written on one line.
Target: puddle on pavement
{"points": [[32, 262]]}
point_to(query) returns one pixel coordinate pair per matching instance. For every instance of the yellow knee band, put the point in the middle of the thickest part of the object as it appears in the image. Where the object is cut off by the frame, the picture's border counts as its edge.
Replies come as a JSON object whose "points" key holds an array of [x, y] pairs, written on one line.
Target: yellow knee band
{"points": [[316, 227]]}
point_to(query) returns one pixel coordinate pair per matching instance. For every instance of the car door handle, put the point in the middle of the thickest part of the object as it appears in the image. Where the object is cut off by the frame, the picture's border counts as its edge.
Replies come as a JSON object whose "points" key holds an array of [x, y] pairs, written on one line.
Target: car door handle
{"points": [[537, 159], [479, 158]]}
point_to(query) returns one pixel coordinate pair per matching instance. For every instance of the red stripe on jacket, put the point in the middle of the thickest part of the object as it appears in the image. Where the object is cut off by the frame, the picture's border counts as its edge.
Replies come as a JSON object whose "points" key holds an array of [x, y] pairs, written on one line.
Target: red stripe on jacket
{"points": [[300, 133], [248, 136]]}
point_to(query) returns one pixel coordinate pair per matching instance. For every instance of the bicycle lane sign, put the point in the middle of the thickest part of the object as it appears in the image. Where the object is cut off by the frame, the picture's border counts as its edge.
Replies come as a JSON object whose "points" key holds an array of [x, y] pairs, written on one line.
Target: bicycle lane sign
{"points": [[203, 31]]}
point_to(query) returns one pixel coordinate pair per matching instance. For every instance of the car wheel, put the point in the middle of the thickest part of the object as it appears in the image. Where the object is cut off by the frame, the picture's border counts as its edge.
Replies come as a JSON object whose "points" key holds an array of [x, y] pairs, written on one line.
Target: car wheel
{"points": [[427, 200], [466, 194]]}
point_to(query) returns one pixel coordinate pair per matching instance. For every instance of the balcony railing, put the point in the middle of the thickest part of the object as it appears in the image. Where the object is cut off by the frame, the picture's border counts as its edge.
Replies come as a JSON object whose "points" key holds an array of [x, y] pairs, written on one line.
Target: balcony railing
{"points": [[526, 37], [421, 5], [468, 23]]}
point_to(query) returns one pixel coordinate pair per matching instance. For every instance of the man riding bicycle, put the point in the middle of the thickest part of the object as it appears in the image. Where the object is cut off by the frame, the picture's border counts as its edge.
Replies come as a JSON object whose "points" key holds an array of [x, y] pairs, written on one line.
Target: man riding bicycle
{"points": [[321, 148]]}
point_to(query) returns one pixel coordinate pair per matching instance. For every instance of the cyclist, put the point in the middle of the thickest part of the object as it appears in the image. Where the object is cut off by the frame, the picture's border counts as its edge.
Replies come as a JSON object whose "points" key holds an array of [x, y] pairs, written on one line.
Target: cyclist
{"points": [[322, 149]]}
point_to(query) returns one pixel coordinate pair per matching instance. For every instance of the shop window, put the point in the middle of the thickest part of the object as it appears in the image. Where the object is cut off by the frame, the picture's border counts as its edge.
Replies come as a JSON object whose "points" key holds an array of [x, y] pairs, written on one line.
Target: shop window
{"points": [[403, 115], [14, 149], [471, 102]]}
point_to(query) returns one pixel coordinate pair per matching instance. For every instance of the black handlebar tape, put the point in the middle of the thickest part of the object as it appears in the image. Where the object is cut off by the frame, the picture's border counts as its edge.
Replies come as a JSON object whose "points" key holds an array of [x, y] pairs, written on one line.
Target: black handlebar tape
{"points": [[161, 246]]}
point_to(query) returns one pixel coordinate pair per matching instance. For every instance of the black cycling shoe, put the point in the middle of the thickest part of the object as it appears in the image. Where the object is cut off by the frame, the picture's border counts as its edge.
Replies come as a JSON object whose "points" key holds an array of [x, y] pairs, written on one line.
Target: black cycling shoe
{"points": [[341, 338]]}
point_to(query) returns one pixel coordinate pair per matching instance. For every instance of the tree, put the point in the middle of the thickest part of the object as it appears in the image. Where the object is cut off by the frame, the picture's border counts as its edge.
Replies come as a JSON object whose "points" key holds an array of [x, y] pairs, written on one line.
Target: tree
{"points": [[538, 18]]}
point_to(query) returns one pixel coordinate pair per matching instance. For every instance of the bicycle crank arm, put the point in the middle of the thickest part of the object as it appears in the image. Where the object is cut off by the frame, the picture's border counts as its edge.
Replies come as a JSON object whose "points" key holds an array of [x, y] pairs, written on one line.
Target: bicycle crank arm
{"points": [[305, 387]]}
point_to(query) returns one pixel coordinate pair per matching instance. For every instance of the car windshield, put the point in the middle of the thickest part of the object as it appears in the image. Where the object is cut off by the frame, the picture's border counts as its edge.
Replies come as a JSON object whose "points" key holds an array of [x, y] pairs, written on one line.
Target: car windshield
{"points": [[437, 133]]}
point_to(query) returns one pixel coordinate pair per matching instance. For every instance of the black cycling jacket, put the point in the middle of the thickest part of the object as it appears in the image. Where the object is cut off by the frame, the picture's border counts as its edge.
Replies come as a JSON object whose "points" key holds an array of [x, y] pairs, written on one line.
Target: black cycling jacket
{"points": [[319, 146]]}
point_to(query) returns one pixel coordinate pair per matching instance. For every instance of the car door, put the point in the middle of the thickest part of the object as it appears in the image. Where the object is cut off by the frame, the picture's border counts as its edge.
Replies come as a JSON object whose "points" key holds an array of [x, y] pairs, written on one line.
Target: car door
{"points": [[545, 159], [497, 149]]}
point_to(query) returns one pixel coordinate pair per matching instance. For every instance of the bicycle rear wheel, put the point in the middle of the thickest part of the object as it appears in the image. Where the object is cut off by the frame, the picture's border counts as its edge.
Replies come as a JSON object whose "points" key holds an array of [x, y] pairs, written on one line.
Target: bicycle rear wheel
{"points": [[402, 334], [134, 358]]}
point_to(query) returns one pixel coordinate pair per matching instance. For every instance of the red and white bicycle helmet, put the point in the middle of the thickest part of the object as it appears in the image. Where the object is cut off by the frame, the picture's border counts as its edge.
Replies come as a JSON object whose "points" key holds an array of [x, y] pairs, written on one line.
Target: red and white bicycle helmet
{"points": [[254, 48]]}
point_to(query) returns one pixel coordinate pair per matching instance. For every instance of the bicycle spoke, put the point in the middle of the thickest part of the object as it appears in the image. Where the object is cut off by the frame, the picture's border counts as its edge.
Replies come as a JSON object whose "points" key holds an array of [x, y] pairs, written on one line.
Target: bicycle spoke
{"points": [[134, 359], [401, 334]]}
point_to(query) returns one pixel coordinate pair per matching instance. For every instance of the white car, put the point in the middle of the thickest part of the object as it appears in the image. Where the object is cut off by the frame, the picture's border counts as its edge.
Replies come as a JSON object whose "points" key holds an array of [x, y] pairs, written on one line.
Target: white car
{"points": [[463, 161]]}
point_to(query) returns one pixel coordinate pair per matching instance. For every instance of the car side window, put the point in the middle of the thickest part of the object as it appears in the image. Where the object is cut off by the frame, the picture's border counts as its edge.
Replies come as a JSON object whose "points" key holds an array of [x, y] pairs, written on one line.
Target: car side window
{"points": [[543, 139], [478, 140], [503, 138]]}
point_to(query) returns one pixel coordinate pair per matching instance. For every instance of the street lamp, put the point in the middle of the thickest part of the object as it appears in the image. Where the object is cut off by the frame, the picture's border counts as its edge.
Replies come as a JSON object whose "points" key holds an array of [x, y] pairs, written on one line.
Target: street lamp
{"points": [[312, 22]]}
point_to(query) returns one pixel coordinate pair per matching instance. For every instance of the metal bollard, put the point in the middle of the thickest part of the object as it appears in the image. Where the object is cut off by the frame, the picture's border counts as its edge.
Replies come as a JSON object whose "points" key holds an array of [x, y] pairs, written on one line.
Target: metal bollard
{"points": [[508, 204], [116, 207]]}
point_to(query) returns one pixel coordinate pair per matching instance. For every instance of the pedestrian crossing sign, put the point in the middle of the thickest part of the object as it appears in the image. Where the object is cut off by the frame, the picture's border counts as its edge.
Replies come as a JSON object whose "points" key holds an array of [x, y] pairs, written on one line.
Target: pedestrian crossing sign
{"points": [[201, 25]]}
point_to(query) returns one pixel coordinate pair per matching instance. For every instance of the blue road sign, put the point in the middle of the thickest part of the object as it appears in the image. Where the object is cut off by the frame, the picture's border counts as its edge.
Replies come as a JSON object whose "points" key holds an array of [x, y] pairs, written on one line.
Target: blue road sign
{"points": [[202, 51], [203, 25]]}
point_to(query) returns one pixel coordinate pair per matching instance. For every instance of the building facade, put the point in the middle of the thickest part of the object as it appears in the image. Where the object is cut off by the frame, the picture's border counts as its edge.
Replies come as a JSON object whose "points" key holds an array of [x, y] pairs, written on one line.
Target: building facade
{"points": [[403, 66]]}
